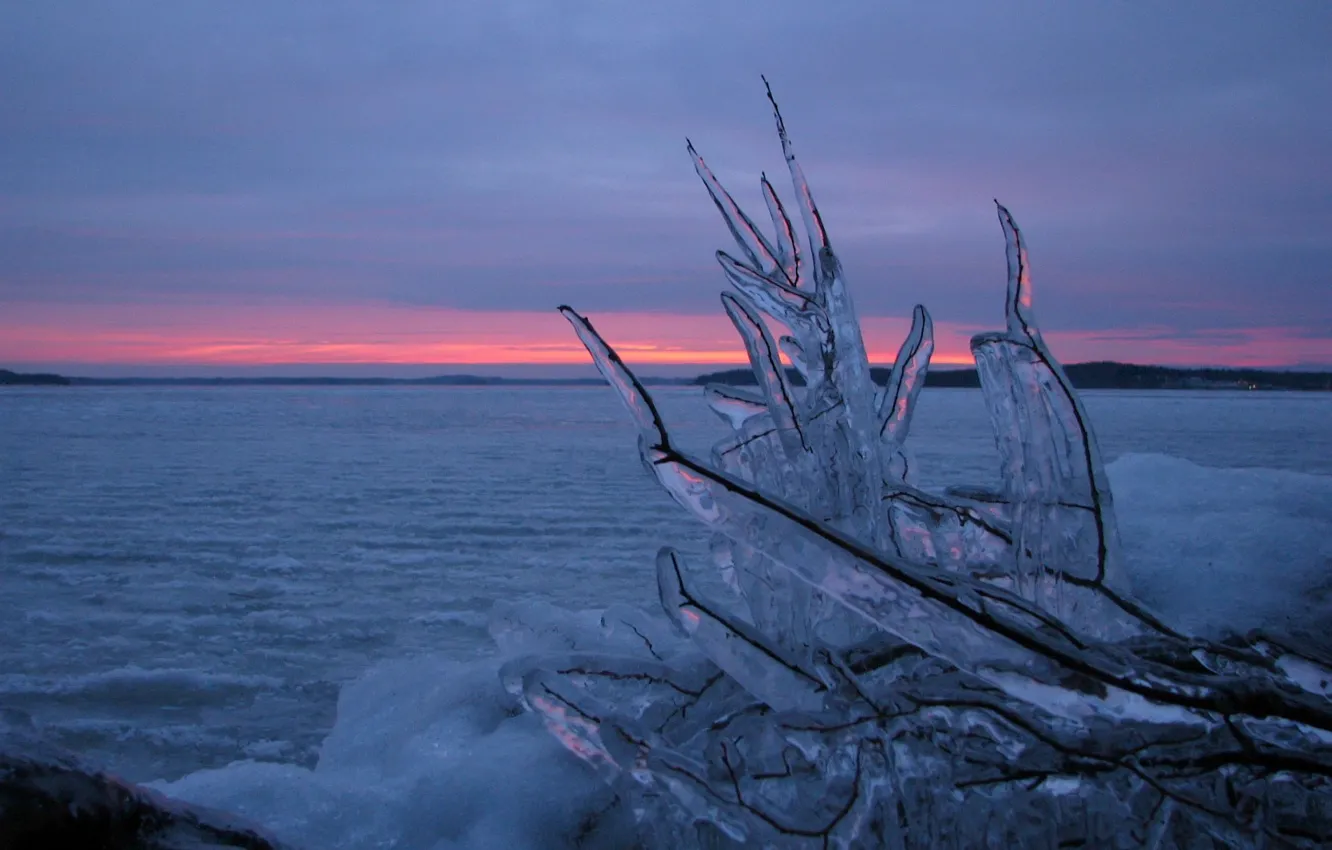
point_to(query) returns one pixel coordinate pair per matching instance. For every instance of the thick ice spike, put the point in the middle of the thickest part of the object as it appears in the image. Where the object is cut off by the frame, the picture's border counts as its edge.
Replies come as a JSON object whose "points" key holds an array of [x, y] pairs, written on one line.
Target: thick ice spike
{"points": [[612, 368], [751, 240], [1017, 307], [789, 258], [1063, 513], [898, 401], [809, 211], [768, 368]]}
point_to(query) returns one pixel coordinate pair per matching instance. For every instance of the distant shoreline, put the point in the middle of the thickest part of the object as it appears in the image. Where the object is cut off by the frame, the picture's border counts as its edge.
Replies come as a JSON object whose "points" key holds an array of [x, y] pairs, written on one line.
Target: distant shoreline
{"points": [[8, 378], [1102, 375], [1098, 375]]}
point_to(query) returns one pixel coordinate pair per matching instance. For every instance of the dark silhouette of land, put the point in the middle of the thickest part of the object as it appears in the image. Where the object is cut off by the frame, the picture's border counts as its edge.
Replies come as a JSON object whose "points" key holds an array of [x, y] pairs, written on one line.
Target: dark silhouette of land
{"points": [[1086, 376], [36, 379], [1102, 375]]}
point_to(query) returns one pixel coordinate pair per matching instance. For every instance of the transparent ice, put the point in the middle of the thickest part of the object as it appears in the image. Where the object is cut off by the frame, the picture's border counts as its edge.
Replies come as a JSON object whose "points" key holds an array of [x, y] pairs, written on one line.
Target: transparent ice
{"points": [[870, 663]]}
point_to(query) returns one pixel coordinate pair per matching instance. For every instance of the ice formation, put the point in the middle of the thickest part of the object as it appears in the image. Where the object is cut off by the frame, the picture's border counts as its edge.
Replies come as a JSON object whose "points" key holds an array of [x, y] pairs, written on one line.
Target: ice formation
{"points": [[870, 663]]}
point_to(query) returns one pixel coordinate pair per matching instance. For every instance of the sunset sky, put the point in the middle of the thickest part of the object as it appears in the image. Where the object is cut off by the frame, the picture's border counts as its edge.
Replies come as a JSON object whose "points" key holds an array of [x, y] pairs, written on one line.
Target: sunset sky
{"points": [[339, 187]]}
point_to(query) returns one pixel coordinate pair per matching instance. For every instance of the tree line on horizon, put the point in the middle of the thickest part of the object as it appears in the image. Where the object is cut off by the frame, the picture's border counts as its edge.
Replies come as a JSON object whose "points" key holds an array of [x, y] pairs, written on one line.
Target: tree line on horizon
{"points": [[1097, 375]]}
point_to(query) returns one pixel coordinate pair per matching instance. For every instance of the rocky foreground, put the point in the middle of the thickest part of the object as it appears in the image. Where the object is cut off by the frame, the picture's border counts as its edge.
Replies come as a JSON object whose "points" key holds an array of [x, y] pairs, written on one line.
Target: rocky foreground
{"points": [[50, 798]]}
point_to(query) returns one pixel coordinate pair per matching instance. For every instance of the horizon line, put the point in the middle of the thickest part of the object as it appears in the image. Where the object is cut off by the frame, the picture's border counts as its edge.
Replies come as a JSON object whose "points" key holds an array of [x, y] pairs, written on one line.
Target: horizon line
{"points": [[355, 371]]}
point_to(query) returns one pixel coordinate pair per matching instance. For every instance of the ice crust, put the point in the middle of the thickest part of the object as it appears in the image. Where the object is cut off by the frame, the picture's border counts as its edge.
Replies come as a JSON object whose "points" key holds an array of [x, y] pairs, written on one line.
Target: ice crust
{"points": [[869, 663], [427, 754], [1228, 551]]}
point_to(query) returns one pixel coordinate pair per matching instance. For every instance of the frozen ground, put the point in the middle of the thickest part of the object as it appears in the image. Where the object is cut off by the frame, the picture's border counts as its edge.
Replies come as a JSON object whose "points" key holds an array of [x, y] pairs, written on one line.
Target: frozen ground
{"points": [[193, 578]]}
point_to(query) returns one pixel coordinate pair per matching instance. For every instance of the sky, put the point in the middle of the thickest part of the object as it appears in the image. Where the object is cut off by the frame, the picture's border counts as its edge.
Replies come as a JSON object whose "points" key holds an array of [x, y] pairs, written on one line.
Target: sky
{"points": [[341, 187]]}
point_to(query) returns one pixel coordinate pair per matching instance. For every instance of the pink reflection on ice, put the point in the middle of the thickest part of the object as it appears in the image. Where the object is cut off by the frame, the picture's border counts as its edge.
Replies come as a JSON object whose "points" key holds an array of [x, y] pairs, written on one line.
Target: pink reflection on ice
{"points": [[578, 734]]}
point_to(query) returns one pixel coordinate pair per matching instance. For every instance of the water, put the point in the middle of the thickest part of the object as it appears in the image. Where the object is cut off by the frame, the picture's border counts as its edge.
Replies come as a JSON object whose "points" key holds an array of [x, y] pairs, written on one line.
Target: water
{"points": [[189, 576]]}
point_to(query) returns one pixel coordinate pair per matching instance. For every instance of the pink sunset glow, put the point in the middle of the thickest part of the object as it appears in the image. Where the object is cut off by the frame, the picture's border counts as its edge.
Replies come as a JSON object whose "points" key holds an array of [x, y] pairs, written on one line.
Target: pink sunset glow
{"points": [[237, 336]]}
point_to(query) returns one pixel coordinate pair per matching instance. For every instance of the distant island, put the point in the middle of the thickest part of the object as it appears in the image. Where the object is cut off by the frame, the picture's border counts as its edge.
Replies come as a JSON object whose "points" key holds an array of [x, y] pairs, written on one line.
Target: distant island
{"points": [[35, 379], [1102, 375], [1085, 376]]}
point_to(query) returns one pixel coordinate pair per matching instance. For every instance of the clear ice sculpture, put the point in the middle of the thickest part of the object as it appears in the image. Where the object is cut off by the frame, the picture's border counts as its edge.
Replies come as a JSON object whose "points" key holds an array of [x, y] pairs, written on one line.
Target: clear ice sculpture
{"points": [[872, 664]]}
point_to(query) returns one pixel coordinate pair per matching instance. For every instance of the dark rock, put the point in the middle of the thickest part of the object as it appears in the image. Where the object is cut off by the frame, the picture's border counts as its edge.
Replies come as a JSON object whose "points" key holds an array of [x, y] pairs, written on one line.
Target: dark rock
{"points": [[51, 799]]}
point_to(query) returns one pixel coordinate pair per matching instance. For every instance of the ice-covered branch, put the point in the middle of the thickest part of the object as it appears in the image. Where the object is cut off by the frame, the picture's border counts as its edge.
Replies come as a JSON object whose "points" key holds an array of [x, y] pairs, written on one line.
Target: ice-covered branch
{"points": [[877, 642]]}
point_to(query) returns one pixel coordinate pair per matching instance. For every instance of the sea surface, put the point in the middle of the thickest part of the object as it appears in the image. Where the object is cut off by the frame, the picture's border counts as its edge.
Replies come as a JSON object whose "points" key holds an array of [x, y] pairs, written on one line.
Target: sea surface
{"points": [[189, 577]]}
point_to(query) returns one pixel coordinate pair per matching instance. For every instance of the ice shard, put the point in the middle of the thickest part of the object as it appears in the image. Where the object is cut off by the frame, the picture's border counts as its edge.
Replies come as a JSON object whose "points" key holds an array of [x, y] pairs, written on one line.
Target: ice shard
{"points": [[877, 663]]}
